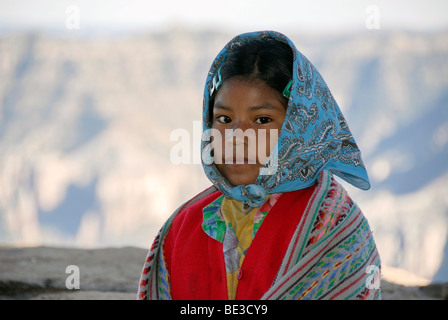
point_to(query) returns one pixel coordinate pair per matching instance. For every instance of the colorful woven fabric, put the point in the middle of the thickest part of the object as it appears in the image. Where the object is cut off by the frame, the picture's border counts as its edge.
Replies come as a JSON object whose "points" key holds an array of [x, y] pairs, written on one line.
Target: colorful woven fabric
{"points": [[332, 252], [330, 255]]}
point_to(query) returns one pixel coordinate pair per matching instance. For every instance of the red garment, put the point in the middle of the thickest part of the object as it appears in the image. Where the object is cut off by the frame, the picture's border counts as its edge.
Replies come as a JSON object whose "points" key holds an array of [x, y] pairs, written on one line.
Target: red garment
{"points": [[195, 261]]}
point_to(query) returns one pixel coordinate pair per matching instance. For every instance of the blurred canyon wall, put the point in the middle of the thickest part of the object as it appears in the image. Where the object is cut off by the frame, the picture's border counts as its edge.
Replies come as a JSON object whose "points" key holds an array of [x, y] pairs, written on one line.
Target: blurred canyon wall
{"points": [[85, 128]]}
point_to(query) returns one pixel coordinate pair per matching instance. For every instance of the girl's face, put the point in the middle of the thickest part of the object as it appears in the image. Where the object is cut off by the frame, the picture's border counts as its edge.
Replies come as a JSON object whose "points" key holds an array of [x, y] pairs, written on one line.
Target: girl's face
{"points": [[241, 111]]}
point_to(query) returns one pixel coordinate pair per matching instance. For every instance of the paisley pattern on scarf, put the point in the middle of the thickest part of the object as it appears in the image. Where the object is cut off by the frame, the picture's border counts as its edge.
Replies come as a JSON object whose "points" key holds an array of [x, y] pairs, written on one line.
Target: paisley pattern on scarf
{"points": [[314, 135]]}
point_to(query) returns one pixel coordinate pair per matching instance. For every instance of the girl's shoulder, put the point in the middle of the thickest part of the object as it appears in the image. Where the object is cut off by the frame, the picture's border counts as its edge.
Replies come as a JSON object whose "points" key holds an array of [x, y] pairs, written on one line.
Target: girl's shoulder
{"points": [[192, 209]]}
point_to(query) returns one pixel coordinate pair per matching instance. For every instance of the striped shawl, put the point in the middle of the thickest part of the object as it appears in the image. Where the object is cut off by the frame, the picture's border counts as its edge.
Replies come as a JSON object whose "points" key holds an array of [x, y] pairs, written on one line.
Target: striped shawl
{"points": [[332, 254]]}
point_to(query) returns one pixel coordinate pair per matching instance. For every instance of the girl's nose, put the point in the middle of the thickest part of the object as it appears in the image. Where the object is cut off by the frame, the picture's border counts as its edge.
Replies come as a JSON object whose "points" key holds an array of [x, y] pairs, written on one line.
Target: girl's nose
{"points": [[241, 124], [236, 135]]}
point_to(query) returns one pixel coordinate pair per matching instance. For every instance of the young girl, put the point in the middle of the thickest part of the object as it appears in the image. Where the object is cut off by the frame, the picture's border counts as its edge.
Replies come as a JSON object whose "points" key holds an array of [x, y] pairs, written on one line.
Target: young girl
{"points": [[275, 224]]}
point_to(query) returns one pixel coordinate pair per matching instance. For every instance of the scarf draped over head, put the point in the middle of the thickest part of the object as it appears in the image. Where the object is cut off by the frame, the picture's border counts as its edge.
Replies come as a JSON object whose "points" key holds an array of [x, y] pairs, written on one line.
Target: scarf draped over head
{"points": [[314, 135]]}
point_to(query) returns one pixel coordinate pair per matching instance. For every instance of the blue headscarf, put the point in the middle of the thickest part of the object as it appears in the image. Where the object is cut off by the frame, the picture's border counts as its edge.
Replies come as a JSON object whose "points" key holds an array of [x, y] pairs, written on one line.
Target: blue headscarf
{"points": [[314, 135]]}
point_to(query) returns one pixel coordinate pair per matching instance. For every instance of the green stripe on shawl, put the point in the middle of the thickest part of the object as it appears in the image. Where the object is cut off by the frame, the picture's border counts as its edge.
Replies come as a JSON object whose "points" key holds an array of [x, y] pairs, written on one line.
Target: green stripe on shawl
{"points": [[334, 267]]}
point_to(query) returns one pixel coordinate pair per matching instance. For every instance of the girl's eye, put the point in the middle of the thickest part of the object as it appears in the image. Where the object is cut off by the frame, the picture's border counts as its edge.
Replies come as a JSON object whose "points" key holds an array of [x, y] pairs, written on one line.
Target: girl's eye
{"points": [[263, 120], [223, 119]]}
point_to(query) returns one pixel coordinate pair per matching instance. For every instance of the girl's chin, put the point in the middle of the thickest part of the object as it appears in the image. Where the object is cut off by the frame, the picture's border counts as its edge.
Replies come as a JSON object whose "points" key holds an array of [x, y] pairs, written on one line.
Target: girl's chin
{"points": [[240, 174]]}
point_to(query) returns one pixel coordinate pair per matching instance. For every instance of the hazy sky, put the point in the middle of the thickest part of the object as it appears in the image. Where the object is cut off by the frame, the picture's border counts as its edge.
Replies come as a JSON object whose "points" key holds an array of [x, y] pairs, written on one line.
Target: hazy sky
{"points": [[324, 15]]}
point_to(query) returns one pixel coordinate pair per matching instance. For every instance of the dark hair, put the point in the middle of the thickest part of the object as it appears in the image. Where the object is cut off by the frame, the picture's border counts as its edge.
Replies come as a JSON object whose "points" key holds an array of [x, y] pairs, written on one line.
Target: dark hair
{"points": [[267, 59]]}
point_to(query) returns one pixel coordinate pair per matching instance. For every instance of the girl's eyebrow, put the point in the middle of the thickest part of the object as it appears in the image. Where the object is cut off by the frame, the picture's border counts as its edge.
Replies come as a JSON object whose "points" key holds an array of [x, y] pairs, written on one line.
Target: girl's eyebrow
{"points": [[218, 106], [264, 106], [253, 108]]}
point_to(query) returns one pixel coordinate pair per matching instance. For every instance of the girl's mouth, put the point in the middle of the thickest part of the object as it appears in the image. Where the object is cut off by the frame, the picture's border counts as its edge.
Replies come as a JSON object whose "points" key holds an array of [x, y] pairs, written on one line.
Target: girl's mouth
{"points": [[239, 161]]}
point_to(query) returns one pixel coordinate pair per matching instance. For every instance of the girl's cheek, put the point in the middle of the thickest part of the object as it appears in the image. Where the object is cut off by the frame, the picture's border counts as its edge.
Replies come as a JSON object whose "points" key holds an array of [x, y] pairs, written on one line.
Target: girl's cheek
{"points": [[218, 147]]}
